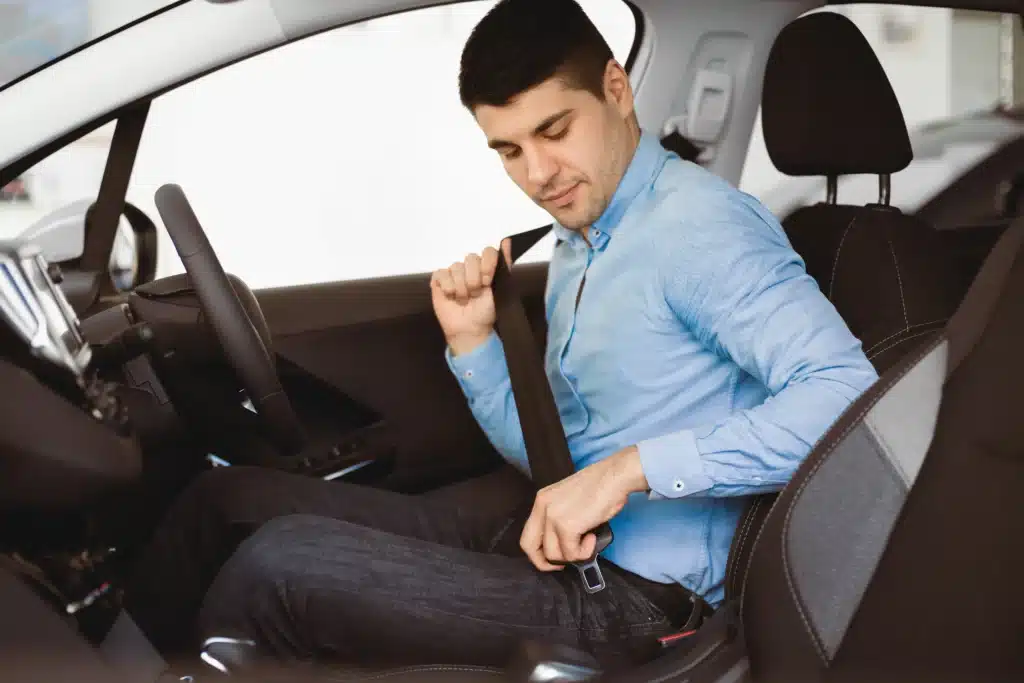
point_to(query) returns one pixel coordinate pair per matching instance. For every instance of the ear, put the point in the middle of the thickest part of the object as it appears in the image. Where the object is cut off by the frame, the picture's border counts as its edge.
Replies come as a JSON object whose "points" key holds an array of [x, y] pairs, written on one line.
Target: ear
{"points": [[617, 88]]}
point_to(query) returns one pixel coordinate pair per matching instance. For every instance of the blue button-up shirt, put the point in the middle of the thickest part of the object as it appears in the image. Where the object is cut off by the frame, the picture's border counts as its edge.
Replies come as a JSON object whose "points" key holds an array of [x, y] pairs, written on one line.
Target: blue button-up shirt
{"points": [[700, 338]]}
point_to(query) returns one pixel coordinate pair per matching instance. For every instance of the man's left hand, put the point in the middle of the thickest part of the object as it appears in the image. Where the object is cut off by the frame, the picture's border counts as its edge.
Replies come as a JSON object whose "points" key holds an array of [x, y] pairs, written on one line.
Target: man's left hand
{"points": [[564, 513]]}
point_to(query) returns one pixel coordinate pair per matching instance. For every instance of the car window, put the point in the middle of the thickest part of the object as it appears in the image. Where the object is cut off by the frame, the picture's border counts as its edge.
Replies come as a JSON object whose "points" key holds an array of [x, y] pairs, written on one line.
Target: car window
{"points": [[943, 66], [70, 174], [344, 155], [34, 33]]}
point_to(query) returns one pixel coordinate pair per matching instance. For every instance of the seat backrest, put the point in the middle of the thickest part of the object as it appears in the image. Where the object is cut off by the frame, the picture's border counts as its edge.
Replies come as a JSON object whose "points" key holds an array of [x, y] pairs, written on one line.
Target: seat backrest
{"points": [[829, 110], [894, 553]]}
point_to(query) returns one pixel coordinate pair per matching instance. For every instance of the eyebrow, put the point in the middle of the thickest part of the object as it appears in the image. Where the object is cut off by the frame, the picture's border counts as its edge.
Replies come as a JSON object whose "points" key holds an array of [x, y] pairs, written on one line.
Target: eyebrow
{"points": [[540, 128]]}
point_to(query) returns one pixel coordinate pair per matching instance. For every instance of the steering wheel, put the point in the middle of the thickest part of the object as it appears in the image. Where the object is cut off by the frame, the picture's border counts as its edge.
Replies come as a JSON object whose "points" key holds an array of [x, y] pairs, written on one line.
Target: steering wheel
{"points": [[243, 347]]}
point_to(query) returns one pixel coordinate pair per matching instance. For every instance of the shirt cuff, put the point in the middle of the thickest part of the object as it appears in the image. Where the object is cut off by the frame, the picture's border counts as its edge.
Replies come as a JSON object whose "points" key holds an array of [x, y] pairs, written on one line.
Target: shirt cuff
{"points": [[481, 370], [673, 466]]}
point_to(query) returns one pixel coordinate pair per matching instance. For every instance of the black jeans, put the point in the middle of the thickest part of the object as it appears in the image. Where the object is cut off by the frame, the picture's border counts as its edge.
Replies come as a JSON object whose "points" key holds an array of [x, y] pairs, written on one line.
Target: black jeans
{"points": [[365, 576]]}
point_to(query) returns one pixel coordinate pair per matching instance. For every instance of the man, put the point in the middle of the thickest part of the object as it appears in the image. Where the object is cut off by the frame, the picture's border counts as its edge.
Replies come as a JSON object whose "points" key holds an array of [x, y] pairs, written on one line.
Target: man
{"points": [[692, 359]]}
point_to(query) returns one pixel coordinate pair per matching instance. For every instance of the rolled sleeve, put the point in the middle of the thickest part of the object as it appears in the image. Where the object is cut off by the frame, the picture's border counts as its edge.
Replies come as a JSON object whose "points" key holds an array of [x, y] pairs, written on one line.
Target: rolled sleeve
{"points": [[672, 465], [481, 370]]}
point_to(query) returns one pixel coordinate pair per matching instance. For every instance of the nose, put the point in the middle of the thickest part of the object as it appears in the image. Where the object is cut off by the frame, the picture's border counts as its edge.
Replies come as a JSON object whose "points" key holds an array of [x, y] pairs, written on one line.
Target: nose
{"points": [[540, 166]]}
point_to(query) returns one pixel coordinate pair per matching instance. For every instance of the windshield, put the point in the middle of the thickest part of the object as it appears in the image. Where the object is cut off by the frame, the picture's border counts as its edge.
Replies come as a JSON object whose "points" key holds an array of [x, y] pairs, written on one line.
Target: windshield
{"points": [[34, 33]]}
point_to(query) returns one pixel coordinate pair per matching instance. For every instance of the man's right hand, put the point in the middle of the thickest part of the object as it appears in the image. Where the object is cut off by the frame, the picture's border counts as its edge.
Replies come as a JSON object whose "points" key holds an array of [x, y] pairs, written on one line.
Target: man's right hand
{"points": [[462, 299]]}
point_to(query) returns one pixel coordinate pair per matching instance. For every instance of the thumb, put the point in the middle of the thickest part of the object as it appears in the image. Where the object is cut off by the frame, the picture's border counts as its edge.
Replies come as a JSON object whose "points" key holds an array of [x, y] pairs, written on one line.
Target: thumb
{"points": [[506, 249]]}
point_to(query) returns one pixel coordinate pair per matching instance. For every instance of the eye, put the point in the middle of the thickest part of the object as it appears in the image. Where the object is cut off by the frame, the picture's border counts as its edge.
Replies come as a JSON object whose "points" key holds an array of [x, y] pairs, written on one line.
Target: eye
{"points": [[558, 132], [511, 153]]}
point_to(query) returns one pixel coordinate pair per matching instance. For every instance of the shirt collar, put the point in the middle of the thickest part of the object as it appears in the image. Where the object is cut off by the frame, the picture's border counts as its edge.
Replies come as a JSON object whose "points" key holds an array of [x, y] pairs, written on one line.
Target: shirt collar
{"points": [[647, 160]]}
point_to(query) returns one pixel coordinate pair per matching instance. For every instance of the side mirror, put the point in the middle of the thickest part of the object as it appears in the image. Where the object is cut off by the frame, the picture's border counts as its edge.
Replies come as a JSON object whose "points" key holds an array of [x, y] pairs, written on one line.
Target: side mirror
{"points": [[61, 236]]}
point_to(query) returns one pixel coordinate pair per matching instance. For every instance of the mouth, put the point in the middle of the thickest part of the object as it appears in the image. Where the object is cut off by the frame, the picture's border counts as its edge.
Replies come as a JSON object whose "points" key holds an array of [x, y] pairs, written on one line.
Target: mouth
{"points": [[563, 198]]}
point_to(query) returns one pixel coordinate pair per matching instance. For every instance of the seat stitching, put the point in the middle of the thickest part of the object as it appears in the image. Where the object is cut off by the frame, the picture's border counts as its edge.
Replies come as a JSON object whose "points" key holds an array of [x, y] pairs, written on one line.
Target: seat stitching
{"points": [[818, 646], [835, 264], [899, 280], [785, 530], [747, 524], [742, 535], [748, 519], [750, 525], [897, 343], [730, 566], [905, 329]]}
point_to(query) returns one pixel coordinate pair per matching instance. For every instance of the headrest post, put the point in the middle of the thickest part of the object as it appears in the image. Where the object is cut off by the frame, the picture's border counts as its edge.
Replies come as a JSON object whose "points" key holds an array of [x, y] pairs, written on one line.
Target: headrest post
{"points": [[831, 189], [884, 189]]}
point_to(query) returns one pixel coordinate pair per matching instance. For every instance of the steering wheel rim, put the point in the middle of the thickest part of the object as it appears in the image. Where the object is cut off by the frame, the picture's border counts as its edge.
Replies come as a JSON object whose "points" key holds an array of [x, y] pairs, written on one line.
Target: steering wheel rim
{"points": [[242, 345]]}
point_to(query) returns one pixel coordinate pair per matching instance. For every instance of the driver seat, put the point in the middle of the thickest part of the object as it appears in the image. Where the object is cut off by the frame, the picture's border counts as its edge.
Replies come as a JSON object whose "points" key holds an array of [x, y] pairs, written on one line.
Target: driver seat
{"points": [[873, 564], [893, 554], [829, 110]]}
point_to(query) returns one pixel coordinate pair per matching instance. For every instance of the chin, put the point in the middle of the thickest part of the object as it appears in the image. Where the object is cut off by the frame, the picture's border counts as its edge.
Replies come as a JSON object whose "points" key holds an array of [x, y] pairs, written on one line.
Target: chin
{"points": [[576, 220]]}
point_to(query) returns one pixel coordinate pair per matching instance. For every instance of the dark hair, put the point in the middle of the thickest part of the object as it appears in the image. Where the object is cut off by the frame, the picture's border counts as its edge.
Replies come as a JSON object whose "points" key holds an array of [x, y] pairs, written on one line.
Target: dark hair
{"points": [[520, 44]]}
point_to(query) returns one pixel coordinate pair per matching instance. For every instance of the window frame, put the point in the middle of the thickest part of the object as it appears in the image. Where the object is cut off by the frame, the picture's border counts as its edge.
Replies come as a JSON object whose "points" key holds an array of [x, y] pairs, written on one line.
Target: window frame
{"points": [[98, 240]]}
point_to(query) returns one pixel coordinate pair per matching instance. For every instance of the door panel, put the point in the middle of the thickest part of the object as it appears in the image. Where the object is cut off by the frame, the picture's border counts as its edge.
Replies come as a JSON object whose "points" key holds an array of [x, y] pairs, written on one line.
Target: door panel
{"points": [[377, 342]]}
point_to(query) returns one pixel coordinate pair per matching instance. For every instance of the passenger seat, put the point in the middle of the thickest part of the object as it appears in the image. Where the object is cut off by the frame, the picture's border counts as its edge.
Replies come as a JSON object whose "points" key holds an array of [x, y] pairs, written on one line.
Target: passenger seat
{"points": [[828, 110]]}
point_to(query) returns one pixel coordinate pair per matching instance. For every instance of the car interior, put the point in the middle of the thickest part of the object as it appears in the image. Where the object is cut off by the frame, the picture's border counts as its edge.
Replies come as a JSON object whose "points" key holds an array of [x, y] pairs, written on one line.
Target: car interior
{"points": [[890, 556]]}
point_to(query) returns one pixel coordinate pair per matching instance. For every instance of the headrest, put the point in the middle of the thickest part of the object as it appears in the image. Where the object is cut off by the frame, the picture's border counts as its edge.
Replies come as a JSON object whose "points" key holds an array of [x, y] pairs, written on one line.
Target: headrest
{"points": [[827, 105]]}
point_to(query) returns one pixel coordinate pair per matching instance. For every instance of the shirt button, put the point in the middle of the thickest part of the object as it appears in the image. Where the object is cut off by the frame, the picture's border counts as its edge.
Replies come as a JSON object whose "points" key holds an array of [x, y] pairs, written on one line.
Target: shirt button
{"points": [[678, 485], [469, 373]]}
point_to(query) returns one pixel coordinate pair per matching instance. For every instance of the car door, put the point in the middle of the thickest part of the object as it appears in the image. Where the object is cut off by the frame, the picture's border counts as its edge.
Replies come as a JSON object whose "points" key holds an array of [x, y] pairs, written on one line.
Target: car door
{"points": [[333, 175], [329, 166]]}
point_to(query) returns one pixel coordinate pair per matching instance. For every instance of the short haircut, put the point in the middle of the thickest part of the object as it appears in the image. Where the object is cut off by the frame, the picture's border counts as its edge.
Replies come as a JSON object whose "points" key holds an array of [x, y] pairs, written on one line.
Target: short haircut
{"points": [[519, 44]]}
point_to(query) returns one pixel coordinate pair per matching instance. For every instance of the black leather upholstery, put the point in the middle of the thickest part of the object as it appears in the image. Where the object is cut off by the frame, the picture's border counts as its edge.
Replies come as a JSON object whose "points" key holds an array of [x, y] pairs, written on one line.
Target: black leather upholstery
{"points": [[828, 109], [893, 553], [892, 277], [827, 105]]}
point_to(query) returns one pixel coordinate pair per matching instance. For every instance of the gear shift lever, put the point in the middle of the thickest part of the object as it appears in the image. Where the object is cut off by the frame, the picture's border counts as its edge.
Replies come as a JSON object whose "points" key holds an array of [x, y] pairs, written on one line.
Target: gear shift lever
{"points": [[229, 655]]}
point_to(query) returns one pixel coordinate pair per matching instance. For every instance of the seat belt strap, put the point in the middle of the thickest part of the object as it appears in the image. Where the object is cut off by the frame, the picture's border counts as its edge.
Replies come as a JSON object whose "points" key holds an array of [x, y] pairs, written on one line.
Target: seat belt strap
{"points": [[543, 435]]}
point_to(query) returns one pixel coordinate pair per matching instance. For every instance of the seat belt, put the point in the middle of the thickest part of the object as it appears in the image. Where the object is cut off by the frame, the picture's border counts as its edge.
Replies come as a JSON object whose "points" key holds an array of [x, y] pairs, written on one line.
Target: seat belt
{"points": [[543, 435]]}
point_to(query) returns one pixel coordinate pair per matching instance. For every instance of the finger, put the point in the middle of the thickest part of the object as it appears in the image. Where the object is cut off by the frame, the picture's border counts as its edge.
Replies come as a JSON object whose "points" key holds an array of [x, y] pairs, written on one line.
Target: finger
{"points": [[488, 263], [506, 249], [551, 543], [587, 547], [473, 279], [444, 281], [531, 539], [458, 275], [569, 542]]}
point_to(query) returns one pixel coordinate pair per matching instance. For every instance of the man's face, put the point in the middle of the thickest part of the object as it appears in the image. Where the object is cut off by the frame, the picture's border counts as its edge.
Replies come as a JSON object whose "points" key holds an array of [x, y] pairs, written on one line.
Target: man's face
{"points": [[564, 147]]}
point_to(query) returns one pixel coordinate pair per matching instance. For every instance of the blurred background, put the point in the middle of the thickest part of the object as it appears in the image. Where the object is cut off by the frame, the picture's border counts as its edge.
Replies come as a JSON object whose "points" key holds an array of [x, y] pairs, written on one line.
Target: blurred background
{"points": [[348, 155]]}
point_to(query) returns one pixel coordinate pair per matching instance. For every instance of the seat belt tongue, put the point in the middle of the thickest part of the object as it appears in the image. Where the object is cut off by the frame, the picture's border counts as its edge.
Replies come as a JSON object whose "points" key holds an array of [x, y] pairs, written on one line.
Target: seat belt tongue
{"points": [[590, 571], [543, 435]]}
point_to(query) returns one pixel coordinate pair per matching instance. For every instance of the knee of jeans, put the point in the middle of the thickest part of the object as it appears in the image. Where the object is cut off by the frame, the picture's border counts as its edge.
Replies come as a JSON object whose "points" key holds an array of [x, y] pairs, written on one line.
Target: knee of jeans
{"points": [[260, 574], [264, 560]]}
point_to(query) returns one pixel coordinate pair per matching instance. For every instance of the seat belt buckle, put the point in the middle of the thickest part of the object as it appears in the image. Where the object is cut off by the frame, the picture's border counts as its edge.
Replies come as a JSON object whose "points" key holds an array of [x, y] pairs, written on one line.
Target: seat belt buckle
{"points": [[590, 571], [590, 574]]}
